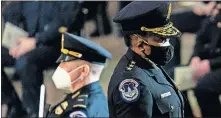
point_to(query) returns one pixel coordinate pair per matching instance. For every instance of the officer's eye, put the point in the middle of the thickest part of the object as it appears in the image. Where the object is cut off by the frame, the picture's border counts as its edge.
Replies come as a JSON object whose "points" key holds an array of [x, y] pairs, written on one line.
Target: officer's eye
{"points": [[164, 41]]}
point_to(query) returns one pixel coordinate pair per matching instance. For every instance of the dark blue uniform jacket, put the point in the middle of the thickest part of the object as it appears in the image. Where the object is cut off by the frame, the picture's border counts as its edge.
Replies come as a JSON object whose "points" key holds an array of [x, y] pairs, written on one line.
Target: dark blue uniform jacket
{"points": [[138, 90]]}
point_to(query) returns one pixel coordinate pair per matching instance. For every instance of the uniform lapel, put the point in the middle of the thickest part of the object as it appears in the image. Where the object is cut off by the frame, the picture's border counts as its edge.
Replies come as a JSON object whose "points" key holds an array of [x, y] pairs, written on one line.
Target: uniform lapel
{"points": [[160, 77]]}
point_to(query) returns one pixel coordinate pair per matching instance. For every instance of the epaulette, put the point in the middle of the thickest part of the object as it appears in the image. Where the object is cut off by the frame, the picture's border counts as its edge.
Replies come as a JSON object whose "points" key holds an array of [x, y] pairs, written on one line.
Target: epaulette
{"points": [[61, 108], [79, 107], [130, 65], [77, 101], [81, 101]]}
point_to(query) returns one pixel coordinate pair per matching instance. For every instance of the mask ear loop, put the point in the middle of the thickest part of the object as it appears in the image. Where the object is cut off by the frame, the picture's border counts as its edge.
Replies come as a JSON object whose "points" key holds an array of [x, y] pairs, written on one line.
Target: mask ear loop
{"points": [[79, 78], [140, 43]]}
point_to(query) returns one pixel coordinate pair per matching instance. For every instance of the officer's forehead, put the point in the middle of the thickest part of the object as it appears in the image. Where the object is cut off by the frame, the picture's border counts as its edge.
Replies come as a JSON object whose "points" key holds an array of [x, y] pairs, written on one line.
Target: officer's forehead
{"points": [[153, 38], [70, 64]]}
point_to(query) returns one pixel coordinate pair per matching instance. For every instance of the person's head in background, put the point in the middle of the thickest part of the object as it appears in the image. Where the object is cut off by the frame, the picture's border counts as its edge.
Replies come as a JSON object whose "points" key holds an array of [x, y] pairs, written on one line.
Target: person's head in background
{"points": [[208, 8], [217, 14], [148, 33], [81, 63]]}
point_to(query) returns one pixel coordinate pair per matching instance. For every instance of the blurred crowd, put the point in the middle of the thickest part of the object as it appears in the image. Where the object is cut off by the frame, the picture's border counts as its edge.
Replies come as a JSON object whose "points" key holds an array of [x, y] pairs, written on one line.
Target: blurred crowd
{"points": [[204, 21], [39, 51]]}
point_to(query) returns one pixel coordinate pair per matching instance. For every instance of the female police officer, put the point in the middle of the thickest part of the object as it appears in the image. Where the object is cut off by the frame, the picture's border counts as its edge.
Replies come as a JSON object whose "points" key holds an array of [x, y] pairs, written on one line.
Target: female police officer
{"points": [[139, 87]]}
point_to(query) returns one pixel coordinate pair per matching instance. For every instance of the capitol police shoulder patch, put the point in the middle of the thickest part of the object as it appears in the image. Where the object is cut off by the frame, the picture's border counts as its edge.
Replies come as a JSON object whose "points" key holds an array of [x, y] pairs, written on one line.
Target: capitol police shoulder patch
{"points": [[78, 114], [129, 90]]}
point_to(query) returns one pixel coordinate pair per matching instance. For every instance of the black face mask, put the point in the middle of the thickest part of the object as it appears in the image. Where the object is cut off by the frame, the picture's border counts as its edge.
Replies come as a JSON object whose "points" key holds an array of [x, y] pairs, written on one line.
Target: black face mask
{"points": [[161, 55]]}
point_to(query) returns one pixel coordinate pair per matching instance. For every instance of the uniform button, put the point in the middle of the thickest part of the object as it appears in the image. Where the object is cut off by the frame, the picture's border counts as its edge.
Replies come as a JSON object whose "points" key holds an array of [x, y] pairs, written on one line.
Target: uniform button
{"points": [[171, 107], [133, 62], [218, 50], [131, 65]]}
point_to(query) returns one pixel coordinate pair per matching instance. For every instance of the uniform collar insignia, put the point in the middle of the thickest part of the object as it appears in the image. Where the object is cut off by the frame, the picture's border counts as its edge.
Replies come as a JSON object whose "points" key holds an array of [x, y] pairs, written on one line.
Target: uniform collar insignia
{"points": [[64, 105], [75, 95], [58, 110], [134, 58], [131, 65]]}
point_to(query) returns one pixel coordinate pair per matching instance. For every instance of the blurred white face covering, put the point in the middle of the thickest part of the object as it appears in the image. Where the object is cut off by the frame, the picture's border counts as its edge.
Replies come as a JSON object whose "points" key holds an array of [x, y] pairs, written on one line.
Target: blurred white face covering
{"points": [[62, 79]]}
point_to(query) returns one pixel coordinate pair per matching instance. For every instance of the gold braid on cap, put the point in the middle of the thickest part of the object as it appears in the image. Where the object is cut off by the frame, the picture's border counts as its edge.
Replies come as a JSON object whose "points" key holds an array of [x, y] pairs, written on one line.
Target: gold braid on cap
{"points": [[66, 51], [168, 30], [169, 11], [73, 53], [62, 30]]}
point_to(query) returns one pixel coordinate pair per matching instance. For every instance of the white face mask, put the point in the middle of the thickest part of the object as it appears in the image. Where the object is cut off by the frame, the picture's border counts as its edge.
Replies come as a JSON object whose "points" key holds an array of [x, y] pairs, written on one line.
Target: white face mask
{"points": [[62, 79]]}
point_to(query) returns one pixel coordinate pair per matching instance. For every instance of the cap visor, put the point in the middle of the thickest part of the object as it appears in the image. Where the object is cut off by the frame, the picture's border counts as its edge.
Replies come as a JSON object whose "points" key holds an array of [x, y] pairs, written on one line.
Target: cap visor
{"points": [[65, 58]]}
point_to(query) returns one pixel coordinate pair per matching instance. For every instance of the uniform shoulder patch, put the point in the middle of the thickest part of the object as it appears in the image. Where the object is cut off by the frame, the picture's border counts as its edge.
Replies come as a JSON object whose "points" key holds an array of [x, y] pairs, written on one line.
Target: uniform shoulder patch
{"points": [[129, 90], [78, 114]]}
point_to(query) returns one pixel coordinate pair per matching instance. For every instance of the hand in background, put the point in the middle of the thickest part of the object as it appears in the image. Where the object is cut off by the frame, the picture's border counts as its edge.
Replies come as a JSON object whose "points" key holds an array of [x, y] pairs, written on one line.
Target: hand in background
{"points": [[13, 51], [195, 61], [201, 68], [20, 39], [25, 45], [205, 10]]}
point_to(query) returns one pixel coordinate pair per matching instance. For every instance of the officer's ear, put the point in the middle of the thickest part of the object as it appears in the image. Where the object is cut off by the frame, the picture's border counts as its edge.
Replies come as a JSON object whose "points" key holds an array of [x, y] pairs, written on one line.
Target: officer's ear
{"points": [[136, 41], [127, 40], [85, 71]]}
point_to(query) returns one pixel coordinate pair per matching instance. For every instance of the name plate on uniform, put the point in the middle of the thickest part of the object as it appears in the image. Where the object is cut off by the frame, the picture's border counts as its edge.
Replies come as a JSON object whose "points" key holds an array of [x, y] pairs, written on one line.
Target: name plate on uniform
{"points": [[165, 94], [11, 32], [183, 77]]}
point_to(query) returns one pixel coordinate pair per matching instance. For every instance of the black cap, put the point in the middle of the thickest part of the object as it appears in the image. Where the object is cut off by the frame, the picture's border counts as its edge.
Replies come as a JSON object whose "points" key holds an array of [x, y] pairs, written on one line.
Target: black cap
{"points": [[147, 17], [75, 47]]}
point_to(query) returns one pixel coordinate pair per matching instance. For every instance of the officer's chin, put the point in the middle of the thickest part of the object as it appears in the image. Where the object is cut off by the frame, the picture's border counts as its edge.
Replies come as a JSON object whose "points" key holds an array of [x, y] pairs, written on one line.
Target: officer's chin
{"points": [[162, 63]]}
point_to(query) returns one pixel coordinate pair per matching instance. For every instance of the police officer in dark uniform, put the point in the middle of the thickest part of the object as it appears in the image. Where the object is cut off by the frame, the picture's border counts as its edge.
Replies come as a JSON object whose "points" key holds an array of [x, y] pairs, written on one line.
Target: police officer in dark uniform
{"points": [[81, 64], [139, 87]]}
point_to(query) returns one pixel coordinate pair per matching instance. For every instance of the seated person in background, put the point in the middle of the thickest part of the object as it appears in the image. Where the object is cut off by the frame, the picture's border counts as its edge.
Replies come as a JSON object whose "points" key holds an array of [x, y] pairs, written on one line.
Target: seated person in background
{"points": [[193, 22], [81, 64], [38, 51], [206, 61], [188, 21], [10, 98], [97, 11]]}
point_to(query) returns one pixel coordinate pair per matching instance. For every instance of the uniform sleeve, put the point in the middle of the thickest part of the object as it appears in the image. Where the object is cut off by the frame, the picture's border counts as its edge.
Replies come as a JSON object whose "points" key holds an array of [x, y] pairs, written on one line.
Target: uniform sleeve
{"points": [[12, 13], [67, 15], [132, 100], [215, 63], [201, 39]]}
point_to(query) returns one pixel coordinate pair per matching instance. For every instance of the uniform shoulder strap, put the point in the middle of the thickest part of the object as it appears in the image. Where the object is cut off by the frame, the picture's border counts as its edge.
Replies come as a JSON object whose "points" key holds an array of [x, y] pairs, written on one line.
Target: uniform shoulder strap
{"points": [[69, 105], [80, 101], [79, 106]]}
